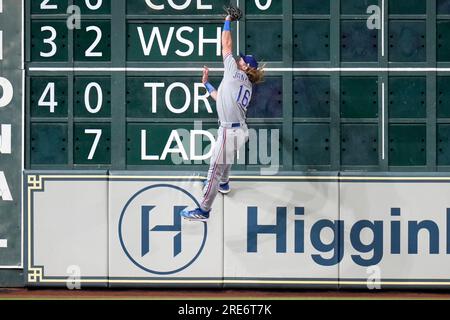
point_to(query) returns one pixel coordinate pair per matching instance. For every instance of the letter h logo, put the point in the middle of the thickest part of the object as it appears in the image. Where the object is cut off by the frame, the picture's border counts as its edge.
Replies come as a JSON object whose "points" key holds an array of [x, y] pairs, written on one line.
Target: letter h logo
{"points": [[145, 229]]}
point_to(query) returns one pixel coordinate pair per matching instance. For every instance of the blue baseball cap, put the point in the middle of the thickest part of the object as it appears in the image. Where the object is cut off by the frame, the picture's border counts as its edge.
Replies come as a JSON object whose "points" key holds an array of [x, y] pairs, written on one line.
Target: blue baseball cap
{"points": [[250, 60]]}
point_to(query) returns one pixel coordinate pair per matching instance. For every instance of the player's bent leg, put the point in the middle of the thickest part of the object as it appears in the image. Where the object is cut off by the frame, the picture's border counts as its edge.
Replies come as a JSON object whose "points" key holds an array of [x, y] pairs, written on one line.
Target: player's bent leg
{"points": [[226, 175], [202, 213], [217, 170], [211, 186], [236, 143], [217, 151]]}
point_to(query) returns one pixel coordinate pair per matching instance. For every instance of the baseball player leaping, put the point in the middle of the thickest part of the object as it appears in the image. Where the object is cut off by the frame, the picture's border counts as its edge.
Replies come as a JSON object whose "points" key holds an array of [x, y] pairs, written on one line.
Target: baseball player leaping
{"points": [[233, 98]]}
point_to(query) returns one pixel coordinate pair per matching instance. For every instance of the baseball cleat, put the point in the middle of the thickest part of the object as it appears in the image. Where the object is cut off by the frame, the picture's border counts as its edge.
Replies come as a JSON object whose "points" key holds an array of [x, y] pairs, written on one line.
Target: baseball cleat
{"points": [[224, 188], [195, 215]]}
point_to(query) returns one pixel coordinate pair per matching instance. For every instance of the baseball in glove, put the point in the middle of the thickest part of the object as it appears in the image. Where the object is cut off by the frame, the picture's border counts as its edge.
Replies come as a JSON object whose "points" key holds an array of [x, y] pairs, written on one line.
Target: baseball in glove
{"points": [[234, 12]]}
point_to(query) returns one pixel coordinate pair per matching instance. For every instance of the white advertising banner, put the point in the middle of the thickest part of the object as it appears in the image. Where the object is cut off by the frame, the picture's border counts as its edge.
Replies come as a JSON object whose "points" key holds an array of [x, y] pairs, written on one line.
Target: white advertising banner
{"points": [[324, 231], [67, 229], [149, 242], [396, 230], [282, 232]]}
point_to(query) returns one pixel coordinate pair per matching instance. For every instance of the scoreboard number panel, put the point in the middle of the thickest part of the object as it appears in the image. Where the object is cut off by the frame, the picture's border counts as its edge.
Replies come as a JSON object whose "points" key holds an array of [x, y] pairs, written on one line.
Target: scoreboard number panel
{"points": [[92, 97], [49, 104], [266, 6], [49, 6], [49, 40], [92, 143], [94, 6], [92, 121], [265, 38], [311, 7], [49, 97], [61, 6], [49, 143], [93, 41]]}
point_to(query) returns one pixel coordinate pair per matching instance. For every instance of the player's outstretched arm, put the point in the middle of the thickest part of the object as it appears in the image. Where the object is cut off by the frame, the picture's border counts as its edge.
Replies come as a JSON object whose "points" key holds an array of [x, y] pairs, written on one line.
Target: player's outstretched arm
{"points": [[233, 14], [212, 91], [227, 39]]}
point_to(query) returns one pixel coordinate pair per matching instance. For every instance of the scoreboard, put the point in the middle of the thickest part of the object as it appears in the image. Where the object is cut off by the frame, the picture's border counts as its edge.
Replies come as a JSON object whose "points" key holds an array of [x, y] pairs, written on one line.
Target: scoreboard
{"points": [[86, 102], [351, 85]]}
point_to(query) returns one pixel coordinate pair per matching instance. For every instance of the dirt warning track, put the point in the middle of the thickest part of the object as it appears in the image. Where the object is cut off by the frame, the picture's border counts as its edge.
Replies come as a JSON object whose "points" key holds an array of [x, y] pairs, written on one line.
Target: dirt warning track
{"points": [[6, 294]]}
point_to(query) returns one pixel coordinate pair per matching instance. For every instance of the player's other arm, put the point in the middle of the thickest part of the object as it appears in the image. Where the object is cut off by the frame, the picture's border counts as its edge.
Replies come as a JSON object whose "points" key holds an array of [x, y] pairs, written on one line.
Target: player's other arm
{"points": [[212, 91]]}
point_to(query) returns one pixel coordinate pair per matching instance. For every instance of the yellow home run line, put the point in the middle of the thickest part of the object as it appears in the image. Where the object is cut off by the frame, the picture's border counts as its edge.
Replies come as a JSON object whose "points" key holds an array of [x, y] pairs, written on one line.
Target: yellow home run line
{"points": [[73, 176], [248, 177], [304, 282], [397, 178], [158, 177], [189, 69]]}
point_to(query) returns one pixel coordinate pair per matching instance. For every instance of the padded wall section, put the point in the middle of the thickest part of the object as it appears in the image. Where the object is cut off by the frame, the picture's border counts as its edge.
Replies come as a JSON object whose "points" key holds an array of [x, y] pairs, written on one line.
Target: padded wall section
{"points": [[67, 228], [395, 231]]}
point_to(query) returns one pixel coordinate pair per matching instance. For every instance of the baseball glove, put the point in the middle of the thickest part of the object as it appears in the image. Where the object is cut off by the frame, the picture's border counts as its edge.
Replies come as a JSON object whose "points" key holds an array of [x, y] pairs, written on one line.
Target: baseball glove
{"points": [[234, 12]]}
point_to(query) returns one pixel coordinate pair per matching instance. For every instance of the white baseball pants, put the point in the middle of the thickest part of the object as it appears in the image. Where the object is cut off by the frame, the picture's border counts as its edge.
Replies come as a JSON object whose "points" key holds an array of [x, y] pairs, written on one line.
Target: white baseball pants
{"points": [[229, 141]]}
